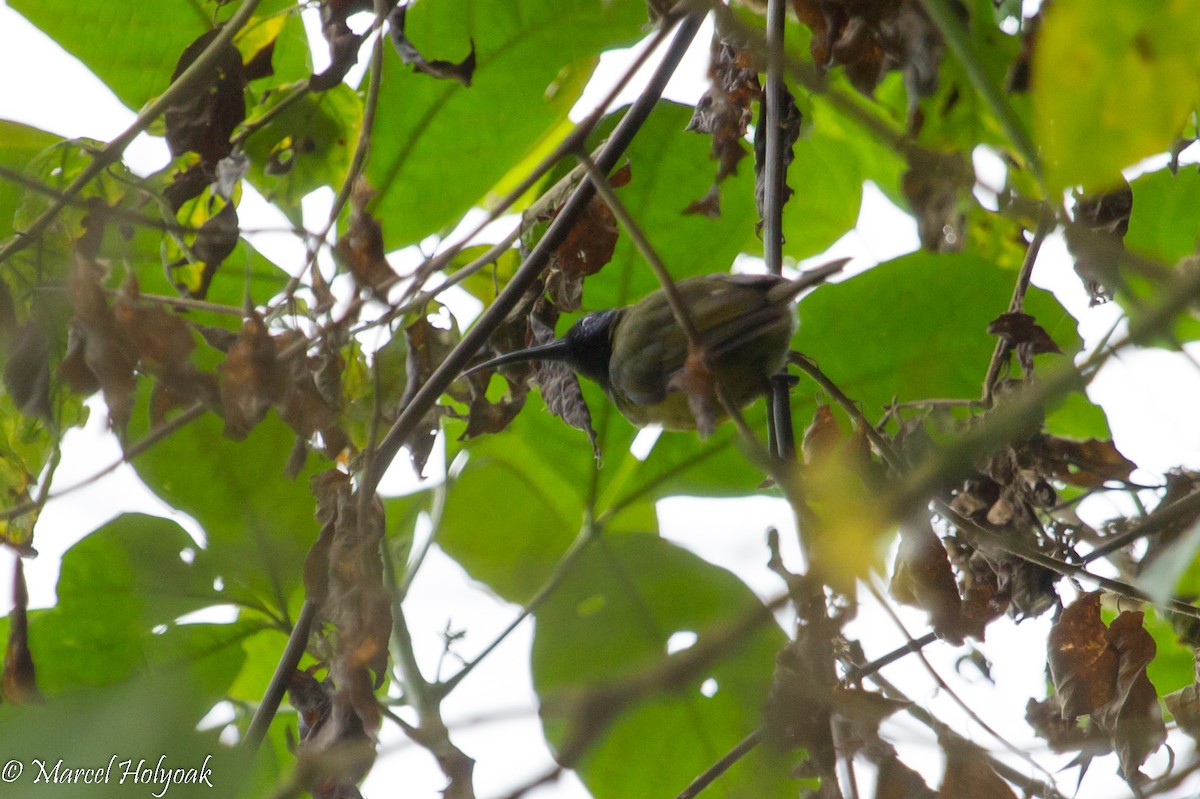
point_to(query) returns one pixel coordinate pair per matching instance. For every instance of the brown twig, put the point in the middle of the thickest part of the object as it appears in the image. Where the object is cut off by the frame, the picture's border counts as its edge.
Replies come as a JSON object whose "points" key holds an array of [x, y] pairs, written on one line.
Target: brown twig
{"points": [[1003, 348]]}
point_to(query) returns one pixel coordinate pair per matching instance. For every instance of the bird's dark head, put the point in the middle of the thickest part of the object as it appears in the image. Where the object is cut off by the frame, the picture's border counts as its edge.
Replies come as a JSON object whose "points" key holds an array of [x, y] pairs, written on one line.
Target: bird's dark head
{"points": [[586, 348], [588, 345]]}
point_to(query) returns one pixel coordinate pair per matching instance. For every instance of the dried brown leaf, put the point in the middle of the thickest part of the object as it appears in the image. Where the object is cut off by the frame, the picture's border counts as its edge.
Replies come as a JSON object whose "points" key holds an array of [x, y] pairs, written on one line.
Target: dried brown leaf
{"points": [[460, 71], [19, 682], [27, 372], [1082, 665], [252, 379], [203, 121], [360, 248], [922, 577], [560, 389], [1086, 463], [106, 351]]}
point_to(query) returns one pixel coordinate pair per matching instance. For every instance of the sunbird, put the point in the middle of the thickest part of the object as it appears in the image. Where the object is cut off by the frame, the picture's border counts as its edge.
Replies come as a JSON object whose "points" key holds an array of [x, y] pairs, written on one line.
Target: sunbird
{"points": [[638, 353]]}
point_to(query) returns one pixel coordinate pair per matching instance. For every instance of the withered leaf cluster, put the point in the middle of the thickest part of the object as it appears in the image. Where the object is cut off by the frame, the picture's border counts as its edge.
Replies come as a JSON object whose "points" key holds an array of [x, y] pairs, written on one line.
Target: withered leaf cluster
{"points": [[1100, 672], [343, 575], [723, 113], [1096, 239], [869, 38]]}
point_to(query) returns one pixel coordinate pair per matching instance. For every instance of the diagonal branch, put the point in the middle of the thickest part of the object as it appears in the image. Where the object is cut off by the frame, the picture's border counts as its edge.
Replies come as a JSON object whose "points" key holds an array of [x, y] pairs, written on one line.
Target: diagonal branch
{"points": [[529, 271]]}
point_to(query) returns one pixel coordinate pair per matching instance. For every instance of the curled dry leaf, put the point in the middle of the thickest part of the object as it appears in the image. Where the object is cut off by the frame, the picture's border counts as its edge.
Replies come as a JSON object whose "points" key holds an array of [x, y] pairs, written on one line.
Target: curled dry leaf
{"points": [[163, 343], [1184, 704], [100, 347], [360, 248], [204, 121], [723, 112], [1086, 463], [871, 39], [428, 346], [560, 388], [19, 682], [1096, 239], [252, 379], [1101, 671], [588, 246], [344, 574], [460, 71], [922, 577], [343, 42], [27, 372]]}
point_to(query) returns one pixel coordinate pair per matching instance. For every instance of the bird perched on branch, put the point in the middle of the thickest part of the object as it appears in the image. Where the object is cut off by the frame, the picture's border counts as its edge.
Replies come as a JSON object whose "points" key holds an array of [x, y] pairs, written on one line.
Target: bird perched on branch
{"points": [[639, 354]]}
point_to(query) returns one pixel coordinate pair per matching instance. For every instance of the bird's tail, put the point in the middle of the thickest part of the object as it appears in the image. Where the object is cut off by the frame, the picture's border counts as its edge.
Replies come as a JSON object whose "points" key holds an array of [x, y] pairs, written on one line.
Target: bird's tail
{"points": [[792, 288]]}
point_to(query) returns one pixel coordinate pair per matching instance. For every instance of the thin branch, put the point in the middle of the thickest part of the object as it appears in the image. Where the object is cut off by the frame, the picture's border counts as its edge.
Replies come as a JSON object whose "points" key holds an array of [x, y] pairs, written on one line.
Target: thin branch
{"points": [[713, 772], [1003, 348], [945, 687], [857, 673], [292, 653], [1161, 519], [153, 437], [562, 568], [191, 81], [531, 269], [1029, 786]]}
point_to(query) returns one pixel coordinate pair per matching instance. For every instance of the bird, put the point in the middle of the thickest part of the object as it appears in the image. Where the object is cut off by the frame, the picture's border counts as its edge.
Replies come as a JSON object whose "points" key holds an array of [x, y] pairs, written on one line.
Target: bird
{"points": [[638, 353]]}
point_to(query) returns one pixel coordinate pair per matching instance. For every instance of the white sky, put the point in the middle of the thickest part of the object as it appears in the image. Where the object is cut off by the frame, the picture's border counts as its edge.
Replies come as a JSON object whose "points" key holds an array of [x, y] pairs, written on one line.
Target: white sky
{"points": [[1149, 397]]}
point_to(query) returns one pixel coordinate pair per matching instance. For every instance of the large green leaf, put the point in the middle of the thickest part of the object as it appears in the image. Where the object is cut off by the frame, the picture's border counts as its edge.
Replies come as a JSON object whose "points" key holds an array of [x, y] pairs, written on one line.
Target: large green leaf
{"points": [[115, 729], [916, 327], [258, 523], [116, 586], [18, 146], [1163, 224], [1113, 82], [315, 137], [132, 47], [438, 147], [609, 622]]}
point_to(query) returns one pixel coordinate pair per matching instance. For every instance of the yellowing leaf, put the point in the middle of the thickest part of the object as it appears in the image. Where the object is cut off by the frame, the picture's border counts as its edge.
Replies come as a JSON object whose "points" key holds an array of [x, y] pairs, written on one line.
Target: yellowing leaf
{"points": [[1113, 83]]}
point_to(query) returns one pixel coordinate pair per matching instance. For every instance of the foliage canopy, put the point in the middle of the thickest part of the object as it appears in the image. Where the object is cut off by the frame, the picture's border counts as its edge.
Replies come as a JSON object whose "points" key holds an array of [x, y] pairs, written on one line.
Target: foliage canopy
{"points": [[943, 396]]}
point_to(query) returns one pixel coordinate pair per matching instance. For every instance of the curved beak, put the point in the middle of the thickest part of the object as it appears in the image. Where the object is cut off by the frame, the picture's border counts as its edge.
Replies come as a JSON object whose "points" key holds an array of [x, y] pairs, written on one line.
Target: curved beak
{"points": [[556, 350]]}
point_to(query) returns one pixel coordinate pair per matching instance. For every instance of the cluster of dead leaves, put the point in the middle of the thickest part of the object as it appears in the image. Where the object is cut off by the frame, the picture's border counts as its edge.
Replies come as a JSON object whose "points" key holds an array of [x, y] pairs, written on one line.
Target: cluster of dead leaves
{"points": [[1100, 672], [343, 576], [723, 112], [869, 38]]}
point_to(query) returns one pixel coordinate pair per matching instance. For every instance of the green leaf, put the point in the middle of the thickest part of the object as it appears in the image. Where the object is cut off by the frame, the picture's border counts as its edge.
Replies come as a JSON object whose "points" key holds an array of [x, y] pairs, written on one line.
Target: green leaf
{"points": [[132, 47], [115, 728], [609, 622], [438, 147], [1163, 225], [307, 145], [916, 327], [115, 587], [19, 144], [1113, 82], [258, 524]]}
